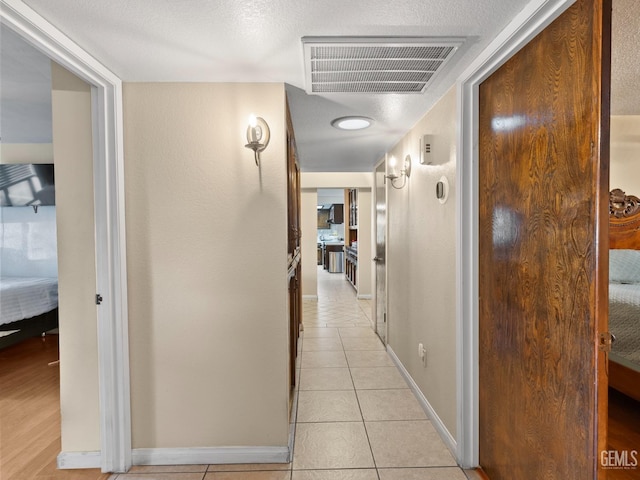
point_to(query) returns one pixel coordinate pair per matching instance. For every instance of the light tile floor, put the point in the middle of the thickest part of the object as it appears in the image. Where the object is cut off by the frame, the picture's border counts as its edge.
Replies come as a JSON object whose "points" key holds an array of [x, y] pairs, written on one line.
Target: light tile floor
{"points": [[356, 418]]}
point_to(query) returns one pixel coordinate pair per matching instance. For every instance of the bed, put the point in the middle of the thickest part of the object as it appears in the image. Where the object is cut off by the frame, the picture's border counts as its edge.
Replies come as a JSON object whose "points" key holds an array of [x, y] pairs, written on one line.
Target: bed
{"points": [[28, 307], [624, 292]]}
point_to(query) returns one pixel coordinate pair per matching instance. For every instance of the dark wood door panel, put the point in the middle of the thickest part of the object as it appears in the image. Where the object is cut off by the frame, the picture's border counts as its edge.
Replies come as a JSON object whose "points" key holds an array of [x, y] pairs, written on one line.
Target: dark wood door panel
{"points": [[293, 243], [540, 253]]}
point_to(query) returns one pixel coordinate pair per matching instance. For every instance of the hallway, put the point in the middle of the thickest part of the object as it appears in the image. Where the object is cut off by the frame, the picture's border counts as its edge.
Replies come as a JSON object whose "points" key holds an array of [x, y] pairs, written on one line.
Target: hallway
{"points": [[356, 414], [356, 418]]}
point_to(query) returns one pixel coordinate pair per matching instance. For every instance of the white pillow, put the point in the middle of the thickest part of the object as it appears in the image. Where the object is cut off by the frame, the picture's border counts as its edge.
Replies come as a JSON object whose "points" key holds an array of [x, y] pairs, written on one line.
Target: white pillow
{"points": [[624, 266]]}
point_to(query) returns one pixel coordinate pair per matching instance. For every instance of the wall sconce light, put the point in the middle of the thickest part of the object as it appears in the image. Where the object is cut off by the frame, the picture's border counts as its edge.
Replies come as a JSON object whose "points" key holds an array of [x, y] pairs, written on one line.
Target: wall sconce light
{"points": [[405, 172], [258, 135]]}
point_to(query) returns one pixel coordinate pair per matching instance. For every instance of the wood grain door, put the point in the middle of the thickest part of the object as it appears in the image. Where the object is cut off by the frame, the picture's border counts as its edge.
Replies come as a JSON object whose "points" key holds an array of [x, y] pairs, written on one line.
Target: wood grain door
{"points": [[294, 252], [543, 221]]}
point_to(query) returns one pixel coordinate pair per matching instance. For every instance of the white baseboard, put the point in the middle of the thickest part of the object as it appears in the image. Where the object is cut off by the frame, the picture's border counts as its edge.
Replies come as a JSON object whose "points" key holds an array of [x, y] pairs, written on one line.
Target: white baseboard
{"points": [[310, 297], [364, 296], [446, 436], [73, 460], [210, 455]]}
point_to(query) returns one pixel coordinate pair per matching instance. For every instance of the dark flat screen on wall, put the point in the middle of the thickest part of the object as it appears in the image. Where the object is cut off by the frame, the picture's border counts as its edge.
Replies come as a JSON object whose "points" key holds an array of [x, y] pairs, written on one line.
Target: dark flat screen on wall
{"points": [[25, 184]]}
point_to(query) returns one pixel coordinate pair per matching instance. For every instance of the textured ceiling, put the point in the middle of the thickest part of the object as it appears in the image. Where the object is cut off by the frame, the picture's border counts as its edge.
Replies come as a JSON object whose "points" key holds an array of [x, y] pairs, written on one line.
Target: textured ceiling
{"points": [[625, 58], [25, 92], [260, 41]]}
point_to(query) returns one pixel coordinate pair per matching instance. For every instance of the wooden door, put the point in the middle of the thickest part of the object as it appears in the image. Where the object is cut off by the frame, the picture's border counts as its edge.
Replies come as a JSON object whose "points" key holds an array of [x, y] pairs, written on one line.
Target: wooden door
{"points": [[294, 253], [543, 264]]}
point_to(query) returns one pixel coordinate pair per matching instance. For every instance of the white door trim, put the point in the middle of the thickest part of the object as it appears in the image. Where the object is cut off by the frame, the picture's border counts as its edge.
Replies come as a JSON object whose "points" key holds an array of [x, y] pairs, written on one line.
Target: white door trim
{"points": [[374, 242], [113, 341], [522, 29]]}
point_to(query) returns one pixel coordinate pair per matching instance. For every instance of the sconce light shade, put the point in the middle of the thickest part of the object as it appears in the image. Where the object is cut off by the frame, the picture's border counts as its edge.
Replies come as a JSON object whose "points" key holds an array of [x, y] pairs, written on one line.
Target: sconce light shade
{"points": [[391, 167], [404, 173], [258, 135], [407, 166]]}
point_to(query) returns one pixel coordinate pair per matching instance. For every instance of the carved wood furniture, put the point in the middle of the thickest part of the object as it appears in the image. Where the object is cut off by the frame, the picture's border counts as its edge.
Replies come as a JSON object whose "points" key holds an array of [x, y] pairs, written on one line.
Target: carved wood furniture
{"points": [[624, 233]]}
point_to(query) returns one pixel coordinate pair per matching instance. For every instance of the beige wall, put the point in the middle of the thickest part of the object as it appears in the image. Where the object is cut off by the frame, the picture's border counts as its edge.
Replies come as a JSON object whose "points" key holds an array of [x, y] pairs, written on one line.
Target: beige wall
{"points": [[421, 263], [207, 266], [309, 221], [625, 153], [73, 159], [336, 180], [26, 153]]}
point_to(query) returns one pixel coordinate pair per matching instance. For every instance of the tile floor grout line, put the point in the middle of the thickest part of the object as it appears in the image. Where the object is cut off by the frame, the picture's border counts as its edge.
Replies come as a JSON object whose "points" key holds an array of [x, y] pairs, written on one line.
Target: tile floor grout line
{"points": [[334, 306], [297, 404], [364, 423]]}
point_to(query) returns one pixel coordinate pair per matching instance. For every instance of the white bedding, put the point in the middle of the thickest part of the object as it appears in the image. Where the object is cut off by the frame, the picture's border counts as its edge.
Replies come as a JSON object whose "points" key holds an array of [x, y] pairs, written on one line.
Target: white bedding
{"points": [[26, 297], [624, 323]]}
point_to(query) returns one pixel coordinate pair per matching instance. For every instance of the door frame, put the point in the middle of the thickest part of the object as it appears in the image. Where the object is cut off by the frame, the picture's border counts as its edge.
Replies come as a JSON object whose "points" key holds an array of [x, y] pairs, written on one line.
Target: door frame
{"points": [[374, 236], [536, 16], [111, 281]]}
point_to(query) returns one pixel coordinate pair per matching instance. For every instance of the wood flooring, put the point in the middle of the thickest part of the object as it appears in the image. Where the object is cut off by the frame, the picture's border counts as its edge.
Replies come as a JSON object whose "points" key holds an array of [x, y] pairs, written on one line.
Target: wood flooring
{"points": [[30, 417], [624, 431], [30, 414]]}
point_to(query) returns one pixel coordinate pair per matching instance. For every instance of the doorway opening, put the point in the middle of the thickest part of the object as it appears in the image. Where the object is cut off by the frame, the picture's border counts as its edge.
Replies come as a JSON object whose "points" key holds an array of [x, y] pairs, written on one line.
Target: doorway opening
{"points": [[337, 238], [114, 442], [624, 358], [337, 217]]}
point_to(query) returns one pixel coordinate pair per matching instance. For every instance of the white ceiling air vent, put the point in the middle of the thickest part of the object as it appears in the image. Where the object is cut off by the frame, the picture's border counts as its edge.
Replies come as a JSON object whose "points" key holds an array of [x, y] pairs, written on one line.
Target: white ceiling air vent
{"points": [[374, 64]]}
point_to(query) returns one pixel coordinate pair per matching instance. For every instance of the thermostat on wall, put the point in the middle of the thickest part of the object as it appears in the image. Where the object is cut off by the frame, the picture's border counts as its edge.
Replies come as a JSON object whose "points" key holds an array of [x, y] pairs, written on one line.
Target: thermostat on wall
{"points": [[426, 150], [442, 189]]}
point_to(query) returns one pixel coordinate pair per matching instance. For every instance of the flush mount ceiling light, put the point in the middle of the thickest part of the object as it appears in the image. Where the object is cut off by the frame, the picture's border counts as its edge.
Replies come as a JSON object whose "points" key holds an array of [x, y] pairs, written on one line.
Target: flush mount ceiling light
{"points": [[375, 64], [352, 123]]}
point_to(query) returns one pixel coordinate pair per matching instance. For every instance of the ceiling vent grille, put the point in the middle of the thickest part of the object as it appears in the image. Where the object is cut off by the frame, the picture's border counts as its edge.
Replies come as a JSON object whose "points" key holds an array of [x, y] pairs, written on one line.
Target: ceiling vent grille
{"points": [[374, 64]]}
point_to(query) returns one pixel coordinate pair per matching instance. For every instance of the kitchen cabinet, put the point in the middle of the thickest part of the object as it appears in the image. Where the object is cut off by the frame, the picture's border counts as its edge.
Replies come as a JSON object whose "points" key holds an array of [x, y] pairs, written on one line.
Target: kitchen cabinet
{"points": [[336, 213], [351, 230], [323, 219], [351, 265], [351, 236], [353, 207]]}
